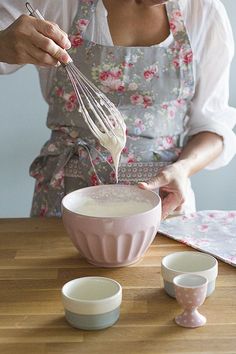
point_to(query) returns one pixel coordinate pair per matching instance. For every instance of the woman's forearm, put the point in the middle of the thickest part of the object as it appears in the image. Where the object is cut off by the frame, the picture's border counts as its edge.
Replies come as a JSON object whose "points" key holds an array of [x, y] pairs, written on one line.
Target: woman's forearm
{"points": [[200, 150]]}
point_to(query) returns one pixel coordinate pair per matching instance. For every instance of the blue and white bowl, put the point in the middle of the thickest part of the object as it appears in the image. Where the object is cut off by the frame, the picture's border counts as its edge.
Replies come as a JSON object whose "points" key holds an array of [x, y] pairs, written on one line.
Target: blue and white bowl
{"points": [[92, 303]]}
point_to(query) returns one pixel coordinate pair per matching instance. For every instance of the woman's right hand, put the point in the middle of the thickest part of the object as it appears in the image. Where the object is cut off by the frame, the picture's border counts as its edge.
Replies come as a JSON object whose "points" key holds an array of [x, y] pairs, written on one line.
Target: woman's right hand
{"points": [[29, 40]]}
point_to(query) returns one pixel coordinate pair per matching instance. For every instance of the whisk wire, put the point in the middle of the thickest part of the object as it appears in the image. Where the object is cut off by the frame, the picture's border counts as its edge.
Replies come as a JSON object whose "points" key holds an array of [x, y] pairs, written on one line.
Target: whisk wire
{"points": [[97, 102]]}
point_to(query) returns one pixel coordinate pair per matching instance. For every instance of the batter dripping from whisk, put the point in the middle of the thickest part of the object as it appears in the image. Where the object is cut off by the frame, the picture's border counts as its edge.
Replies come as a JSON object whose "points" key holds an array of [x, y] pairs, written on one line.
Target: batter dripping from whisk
{"points": [[115, 145]]}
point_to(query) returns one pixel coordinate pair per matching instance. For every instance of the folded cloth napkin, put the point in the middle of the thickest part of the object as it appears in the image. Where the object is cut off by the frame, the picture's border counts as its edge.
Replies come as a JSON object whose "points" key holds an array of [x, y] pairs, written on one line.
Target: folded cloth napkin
{"points": [[211, 231]]}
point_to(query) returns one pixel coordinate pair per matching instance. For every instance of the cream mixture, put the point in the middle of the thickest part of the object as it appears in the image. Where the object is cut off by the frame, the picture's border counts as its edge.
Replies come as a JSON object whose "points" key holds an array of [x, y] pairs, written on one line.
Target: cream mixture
{"points": [[92, 207]]}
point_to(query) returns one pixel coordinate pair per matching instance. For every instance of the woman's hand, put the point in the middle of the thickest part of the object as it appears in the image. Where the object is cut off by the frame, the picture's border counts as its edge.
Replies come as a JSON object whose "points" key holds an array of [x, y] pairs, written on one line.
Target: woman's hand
{"points": [[172, 182], [33, 41]]}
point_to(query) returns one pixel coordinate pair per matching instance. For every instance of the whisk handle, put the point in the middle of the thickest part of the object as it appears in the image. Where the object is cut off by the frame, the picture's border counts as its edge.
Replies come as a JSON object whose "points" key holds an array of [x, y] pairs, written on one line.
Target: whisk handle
{"points": [[36, 13], [33, 12]]}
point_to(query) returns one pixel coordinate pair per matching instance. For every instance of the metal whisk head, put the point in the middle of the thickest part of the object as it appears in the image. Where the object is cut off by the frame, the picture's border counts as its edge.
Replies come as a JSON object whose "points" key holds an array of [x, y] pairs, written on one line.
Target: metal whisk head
{"points": [[102, 117]]}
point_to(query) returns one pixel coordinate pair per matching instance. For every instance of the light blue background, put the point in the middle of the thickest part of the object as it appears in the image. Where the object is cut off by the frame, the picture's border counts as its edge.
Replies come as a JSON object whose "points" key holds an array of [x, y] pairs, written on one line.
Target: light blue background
{"points": [[23, 131]]}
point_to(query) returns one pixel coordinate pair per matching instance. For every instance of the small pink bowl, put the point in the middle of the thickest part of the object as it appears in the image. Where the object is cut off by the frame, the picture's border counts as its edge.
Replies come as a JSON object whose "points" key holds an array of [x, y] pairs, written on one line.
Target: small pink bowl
{"points": [[112, 225]]}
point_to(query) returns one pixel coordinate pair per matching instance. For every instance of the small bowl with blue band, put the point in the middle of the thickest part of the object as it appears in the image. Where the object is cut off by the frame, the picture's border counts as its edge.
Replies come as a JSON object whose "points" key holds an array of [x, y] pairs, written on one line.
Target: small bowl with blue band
{"points": [[92, 303]]}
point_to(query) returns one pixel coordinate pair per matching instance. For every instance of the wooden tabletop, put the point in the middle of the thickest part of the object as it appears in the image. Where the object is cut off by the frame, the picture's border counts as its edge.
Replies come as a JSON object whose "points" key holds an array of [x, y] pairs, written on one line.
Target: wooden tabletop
{"points": [[37, 258]]}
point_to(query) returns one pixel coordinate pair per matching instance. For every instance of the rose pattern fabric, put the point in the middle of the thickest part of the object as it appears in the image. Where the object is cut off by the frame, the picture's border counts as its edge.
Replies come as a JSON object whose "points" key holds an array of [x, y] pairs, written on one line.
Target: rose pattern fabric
{"points": [[210, 231]]}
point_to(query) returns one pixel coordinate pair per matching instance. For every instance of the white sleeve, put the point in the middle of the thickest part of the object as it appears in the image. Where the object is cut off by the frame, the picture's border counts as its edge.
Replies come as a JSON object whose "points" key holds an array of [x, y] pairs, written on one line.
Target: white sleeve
{"points": [[209, 109]]}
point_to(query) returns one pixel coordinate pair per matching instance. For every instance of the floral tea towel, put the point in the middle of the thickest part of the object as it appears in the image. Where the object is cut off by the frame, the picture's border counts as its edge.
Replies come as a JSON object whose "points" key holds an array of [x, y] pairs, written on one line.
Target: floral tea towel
{"points": [[211, 231]]}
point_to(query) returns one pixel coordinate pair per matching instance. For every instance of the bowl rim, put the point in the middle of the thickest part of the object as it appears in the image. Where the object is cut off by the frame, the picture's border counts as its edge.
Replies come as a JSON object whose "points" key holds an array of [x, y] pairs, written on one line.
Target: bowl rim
{"points": [[178, 278], [168, 273], [91, 307], [151, 192]]}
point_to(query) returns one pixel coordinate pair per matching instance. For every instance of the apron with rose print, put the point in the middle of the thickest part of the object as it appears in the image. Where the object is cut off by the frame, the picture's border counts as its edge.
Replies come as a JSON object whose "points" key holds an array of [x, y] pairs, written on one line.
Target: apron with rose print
{"points": [[151, 86]]}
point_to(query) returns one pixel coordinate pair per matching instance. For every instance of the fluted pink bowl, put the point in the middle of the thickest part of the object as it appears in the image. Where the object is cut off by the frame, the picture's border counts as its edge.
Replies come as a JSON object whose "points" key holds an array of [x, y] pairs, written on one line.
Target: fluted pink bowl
{"points": [[112, 225]]}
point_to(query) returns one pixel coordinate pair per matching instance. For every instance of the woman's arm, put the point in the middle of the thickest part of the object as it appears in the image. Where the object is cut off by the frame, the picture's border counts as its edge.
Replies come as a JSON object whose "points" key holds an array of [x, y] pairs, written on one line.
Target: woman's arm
{"points": [[172, 180], [200, 151]]}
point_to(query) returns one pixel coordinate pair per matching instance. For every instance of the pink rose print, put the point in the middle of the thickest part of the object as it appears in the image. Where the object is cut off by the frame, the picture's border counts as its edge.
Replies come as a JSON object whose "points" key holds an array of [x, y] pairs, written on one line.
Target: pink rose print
{"points": [[164, 106], [125, 150], [59, 91], [72, 97], [70, 106], [76, 40], [37, 175], [189, 216], [172, 27], [111, 80], [104, 75], [94, 180], [180, 102], [203, 228], [170, 141], [188, 57], [212, 215], [136, 99], [112, 74], [113, 175], [150, 73], [232, 214], [176, 14], [115, 73], [121, 87], [176, 63], [117, 85], [171, 112], [38, 186], [131, 158], [147, 101], [175, 23], [82, 24], [43, 210], [109, 159], [58, 180], [127, 65]]}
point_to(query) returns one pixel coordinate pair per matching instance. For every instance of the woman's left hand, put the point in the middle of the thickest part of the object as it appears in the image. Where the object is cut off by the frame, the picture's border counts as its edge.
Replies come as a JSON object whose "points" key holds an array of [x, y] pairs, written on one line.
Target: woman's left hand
{"points": [[172, 182]]}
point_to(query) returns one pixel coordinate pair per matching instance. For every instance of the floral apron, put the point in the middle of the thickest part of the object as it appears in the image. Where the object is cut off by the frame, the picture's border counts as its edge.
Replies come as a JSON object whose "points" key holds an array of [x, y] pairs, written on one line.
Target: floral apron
{"points": [[151, 86]]}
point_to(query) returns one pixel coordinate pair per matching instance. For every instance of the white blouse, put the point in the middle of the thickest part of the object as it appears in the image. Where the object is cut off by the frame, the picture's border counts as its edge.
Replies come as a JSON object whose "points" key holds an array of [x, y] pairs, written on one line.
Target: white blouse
{"points": [[212, 43]]}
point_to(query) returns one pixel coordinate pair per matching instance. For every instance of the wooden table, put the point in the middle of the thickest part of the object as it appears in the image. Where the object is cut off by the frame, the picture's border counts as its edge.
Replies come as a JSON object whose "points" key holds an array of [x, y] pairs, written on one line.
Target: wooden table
{"points": [[37, 258]]}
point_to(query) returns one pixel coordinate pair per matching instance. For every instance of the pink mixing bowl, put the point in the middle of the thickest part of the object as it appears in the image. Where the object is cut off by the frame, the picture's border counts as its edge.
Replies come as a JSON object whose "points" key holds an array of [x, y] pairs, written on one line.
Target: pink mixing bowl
{"points": [[111, 225]]}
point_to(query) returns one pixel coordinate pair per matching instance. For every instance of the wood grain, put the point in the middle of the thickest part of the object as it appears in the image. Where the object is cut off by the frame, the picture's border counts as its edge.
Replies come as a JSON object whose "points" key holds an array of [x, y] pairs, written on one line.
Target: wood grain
{"points": [[37, 258]]}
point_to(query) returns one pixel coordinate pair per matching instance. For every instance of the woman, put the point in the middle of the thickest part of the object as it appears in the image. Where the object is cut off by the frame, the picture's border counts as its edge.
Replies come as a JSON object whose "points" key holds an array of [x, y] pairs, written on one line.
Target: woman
{"points": [[155, 60]]}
